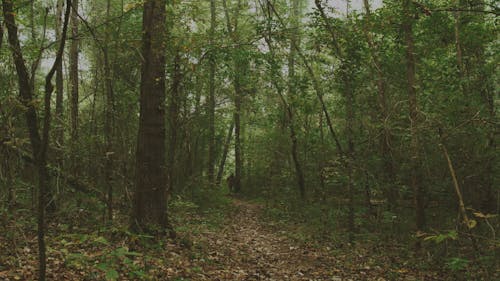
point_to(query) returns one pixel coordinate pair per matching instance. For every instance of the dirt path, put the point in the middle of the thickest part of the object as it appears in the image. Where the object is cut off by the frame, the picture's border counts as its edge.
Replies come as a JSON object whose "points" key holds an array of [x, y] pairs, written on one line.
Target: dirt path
{"points": [[247, 249]]}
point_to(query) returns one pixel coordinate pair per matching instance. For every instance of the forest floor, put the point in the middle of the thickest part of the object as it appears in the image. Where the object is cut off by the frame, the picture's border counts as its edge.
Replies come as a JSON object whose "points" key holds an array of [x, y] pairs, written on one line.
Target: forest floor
{"points": [[242, 245], [250, 247]]}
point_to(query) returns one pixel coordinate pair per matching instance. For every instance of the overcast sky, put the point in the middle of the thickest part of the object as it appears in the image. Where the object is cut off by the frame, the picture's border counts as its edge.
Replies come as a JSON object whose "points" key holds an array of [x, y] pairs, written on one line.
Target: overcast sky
{"points": [[341, 5]]}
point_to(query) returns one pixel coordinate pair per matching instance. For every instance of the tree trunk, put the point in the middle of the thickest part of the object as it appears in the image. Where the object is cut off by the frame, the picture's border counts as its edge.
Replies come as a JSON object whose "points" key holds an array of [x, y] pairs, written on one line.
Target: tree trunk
{"points": [[238, 91], [73, 81], [43, 171], [385, 136], [1, 34], [150, 199], [39, 143], [294, 43], [415, 182], [349, 99], [490, 200], [459, 49], [26, 94], [322, 158], [109, 121], [225, 151], [174, 120], [237, 135], [9, 178], [59, 132], [211, 97]]}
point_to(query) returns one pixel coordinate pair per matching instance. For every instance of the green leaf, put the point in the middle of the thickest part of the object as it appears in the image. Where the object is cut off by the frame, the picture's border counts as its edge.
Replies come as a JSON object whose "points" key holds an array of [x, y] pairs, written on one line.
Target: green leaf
{"points": [[135, 254], [101, 240], [453, 234], [456, 264], [112, 274], [103, 266]]}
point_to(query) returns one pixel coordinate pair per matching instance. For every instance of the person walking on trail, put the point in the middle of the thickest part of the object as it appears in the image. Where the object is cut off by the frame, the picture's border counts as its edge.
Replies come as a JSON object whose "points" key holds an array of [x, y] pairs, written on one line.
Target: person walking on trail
{"points": [[230, 183]]}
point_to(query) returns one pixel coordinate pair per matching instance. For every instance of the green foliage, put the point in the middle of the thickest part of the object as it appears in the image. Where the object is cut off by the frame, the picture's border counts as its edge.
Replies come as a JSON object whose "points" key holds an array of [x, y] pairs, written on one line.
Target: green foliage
{"points": [[457, 264], [206, 199], [438, 238], [457, 106], [110, 262]]}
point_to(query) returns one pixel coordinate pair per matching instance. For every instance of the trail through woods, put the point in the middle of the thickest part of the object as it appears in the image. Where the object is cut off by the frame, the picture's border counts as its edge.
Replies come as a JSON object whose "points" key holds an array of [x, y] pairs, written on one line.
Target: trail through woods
{"points": [[247, 249], [250, 247], [245, 245]]}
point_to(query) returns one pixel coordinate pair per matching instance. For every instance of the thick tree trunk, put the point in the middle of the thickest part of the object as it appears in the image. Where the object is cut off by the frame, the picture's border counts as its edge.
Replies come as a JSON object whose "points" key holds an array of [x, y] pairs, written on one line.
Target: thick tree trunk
{"points": [[415, 182], [150, 199]]}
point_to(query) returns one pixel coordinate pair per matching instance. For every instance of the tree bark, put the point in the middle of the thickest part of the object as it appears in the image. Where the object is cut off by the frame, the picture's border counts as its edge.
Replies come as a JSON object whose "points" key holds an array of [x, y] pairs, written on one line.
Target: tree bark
{"points": [[73, 82], [149, 212], [59, 132], [294, 43], [1, 34], [211, 97], [415, 182], [238, 91], [488, 200], [43, 171], [348, 92], [174, 120], [459, 49], [237, 138], [109, 121], [225, 151]]}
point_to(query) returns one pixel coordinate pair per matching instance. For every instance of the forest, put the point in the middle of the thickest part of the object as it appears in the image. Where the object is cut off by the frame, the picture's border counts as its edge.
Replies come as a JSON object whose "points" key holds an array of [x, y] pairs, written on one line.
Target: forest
{"points": [[249, 140]]}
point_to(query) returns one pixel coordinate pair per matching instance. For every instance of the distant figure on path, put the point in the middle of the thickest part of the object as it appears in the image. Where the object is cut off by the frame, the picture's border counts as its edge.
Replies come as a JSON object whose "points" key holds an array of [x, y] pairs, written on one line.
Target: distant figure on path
{"points": [[230, 183]]}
